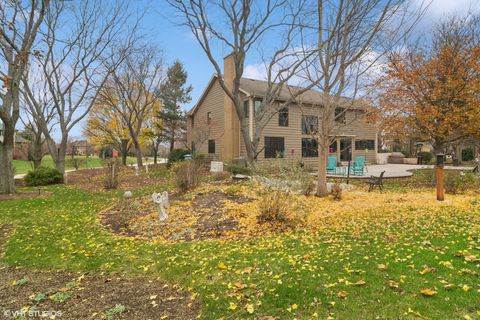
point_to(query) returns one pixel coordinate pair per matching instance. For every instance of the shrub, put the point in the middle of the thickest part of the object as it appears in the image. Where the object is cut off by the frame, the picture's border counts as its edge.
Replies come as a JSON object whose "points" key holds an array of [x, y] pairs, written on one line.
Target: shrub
{"points": [[43, 176], [76, 162], [187, 175], [467, 154], [221, 176], [273, 207], [177, 155], [459, 182], [425, 156], [290, 175], [111, 166], [336, 192], [236, 169]]}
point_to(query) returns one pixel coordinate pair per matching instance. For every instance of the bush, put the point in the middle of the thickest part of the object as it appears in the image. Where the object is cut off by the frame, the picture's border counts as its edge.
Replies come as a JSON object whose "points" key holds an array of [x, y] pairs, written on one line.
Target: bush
{"points": [[43, 176], [467, 154], [235, 169], [273, 206], [425, 156], [221, 176], [336, 192], [177, 155], [456, 183], [290, 175], [187, 175], [111, 173]]}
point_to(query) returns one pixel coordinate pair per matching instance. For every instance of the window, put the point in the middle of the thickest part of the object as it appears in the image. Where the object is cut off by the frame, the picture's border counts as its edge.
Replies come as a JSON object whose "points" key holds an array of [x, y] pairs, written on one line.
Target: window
{"points": [[209, 117], [309, 124], [246, 109], [274, 147], [309, 148], [283, 117], [365, 144], [258, 105], [340, 115], [211, 146], [333, 147]]}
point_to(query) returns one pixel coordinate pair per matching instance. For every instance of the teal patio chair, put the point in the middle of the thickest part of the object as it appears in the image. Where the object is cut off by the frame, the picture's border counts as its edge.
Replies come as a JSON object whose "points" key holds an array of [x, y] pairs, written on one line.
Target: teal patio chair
{"points": [[358, 165], [332, 164]]}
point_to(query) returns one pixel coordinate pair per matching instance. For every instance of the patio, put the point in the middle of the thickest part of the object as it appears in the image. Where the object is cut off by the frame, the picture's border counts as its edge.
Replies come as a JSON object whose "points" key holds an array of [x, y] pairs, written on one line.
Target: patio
{"points": [[392, 170]]}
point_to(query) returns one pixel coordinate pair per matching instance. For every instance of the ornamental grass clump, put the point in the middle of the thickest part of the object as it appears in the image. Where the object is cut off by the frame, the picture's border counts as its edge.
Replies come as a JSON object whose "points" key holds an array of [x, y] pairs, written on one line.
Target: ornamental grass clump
{"points": [[273, 206], [187, 175]]}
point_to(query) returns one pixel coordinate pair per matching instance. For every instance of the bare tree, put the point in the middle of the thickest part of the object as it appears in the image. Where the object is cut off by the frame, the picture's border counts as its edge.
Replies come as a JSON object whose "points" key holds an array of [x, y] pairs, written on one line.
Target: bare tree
{"points": [[131, 92], [241, 26], [350, 36], [74, 62], [20, 22]]}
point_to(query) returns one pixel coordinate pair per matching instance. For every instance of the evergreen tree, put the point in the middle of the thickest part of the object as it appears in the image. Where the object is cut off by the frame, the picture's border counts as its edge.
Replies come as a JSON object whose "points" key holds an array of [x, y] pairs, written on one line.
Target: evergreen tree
{"points": [[173, 92]]}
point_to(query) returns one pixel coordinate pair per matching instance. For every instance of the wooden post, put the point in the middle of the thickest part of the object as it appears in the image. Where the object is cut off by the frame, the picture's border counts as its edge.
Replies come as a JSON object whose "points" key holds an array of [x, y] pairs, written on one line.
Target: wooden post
{"points": [[439, 174]]}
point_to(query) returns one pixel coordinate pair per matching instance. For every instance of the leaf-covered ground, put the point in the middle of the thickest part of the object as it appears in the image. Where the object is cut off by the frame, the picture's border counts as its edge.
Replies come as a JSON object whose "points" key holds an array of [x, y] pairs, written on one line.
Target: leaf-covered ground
{"points": [[391, 255]]}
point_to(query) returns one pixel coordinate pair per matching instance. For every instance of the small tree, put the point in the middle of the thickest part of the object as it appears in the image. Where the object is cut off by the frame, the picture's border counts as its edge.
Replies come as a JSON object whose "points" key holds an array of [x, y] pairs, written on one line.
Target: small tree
{"points": [[173, 93], [432, 90]]}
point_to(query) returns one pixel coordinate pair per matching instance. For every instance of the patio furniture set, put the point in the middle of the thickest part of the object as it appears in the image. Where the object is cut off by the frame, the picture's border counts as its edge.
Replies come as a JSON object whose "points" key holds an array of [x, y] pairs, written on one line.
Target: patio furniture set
{"points": [[356, 167]]}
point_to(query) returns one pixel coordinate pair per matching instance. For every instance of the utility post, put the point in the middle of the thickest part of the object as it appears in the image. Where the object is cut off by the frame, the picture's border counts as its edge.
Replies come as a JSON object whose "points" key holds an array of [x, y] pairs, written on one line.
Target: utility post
{"points": [[440, 175]]}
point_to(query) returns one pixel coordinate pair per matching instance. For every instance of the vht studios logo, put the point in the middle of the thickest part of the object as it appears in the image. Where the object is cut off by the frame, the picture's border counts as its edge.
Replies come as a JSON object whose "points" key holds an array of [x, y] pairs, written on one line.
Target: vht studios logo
{"points": [[49, 314]]}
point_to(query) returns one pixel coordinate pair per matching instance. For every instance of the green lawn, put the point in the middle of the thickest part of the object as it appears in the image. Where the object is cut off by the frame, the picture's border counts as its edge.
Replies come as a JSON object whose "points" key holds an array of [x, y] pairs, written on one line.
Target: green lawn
{"points": [[22, 166], [294, 275]]}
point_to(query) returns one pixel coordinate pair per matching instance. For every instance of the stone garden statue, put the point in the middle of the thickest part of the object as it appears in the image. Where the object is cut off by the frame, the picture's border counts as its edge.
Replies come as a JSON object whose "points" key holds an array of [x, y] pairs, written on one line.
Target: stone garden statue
{"points": [[161, 199]]}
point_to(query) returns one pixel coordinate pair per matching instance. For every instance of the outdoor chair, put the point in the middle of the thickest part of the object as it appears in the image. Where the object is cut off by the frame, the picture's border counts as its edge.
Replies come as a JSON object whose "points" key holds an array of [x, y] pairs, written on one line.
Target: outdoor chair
{"points": [[358, 166], [376, 181], [332, 164]]}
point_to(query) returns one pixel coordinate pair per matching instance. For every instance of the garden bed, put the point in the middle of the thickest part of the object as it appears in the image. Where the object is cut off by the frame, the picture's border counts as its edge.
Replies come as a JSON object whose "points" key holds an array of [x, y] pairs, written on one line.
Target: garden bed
{"points": [[202, 214], [94, 179]]}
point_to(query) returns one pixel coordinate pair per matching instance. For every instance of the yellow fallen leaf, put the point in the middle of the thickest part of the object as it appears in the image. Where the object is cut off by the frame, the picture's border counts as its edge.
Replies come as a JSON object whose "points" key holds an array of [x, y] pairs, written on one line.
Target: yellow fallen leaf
{"points": [[232, 306], [428, 292], [342, 294], [222, 266], [382, 267], [250, 308], [465, 288], [360, 283]]}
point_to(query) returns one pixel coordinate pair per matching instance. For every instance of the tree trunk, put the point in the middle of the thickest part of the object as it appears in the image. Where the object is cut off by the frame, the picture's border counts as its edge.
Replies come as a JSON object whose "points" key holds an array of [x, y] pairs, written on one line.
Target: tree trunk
{"points": [[155, 152], [7, 181], [58, 152], [322, 171], [172, 143], [124, 150], [138, 153]]}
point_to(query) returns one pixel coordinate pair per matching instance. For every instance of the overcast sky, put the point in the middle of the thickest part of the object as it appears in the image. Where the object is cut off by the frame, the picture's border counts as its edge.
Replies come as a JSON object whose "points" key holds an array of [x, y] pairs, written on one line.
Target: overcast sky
{"points": [[178, 43]]}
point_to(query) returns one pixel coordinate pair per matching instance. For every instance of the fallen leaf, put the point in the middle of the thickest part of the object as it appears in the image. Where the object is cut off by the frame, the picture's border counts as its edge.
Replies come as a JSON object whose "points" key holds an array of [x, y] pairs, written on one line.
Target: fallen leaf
{"points": [[428, 292]]}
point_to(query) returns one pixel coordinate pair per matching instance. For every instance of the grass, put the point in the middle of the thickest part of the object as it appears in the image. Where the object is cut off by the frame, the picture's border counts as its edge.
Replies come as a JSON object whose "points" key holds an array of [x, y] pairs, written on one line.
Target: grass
{"points": [[368, 264], [23, 166]]}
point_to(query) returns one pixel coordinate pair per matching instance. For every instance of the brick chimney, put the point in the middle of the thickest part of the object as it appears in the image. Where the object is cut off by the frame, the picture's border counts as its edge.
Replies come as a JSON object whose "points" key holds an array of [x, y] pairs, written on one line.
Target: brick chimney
{"points": [[231, 135]]}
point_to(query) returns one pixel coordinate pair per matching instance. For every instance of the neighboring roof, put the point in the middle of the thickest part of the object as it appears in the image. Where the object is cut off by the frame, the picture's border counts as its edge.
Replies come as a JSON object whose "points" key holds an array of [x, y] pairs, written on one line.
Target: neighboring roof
{"points": [[20, 139], [259, 88]]}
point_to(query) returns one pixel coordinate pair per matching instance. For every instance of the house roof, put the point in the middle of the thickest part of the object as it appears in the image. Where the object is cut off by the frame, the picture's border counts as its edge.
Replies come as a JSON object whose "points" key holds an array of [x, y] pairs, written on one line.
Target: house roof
{"points": [[259, 88]]}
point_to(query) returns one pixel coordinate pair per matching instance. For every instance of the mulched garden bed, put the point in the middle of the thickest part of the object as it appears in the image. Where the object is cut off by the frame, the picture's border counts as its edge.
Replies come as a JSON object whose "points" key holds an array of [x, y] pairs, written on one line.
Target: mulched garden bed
{"points": [[71, 295], [94, 179], [203, 217]]}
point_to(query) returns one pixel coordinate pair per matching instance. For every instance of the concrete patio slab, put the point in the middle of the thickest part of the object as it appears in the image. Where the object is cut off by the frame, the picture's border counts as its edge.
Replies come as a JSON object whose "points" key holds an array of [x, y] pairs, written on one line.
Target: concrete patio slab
{"points": [[395, 170]]}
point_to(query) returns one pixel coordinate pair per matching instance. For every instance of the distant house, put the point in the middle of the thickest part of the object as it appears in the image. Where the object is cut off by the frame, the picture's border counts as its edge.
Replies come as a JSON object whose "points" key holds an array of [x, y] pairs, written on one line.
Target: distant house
{"points": [[80, 147], [214, 119]]}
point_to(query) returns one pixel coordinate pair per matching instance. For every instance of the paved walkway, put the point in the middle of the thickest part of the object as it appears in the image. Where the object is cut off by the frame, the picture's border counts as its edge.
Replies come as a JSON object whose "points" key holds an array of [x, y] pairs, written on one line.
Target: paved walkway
{"points": [[395, 170]]}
